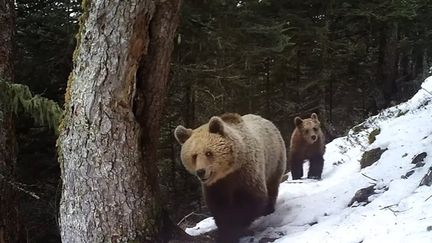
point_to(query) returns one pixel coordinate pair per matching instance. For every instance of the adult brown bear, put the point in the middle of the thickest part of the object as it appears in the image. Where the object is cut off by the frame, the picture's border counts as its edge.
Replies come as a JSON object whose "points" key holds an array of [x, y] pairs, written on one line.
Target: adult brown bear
{"points": [[240, 161]]}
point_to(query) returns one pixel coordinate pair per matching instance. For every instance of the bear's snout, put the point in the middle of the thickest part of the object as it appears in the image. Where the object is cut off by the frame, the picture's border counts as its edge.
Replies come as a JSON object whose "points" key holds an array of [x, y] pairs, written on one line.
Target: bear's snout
{"points": [[314, 137], [201, 173]]}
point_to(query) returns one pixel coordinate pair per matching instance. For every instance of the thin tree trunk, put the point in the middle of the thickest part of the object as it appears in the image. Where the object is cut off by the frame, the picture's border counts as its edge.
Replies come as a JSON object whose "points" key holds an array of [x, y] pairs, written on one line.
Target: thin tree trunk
{"points": [[173, 156], [8, 197], [387, 64], [330, 101], [110, 131], [298, 77], [267, 85], [425, 65], [189, 99]]}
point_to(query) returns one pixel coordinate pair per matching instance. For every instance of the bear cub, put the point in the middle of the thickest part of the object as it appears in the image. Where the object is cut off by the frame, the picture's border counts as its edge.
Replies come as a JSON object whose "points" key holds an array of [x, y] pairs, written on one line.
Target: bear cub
{"points": [[240, 161], [307, 143]]}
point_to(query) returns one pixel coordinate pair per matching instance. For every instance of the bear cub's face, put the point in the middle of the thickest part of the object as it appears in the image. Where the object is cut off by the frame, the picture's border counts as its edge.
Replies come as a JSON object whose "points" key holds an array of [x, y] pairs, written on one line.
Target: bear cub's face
{"points": [[309, 128], [206, 151]]}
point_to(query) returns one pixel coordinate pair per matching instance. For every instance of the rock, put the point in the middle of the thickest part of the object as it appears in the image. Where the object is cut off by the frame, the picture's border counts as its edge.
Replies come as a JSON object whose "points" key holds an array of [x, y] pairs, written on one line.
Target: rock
{"points": [[419, 158], [370, 157], [427, 179], [362, 195], [420, 164], [373, 134], [408, 174]]}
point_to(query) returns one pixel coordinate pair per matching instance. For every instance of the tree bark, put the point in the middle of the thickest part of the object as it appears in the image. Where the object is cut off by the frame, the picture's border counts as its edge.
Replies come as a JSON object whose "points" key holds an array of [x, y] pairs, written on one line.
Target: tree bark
{"points": [[110, 131], [8, 197]]}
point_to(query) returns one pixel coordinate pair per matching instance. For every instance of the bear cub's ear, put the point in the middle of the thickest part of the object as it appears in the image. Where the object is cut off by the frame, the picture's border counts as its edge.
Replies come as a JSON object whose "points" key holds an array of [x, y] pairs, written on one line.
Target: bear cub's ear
{"points": [[298, 121], [216, 125], [182, 134], [314, 116]]}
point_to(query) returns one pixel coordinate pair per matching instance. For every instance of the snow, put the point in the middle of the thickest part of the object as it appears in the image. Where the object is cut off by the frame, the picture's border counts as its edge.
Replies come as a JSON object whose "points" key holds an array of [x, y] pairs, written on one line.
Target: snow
{"points": [[310, 211]]}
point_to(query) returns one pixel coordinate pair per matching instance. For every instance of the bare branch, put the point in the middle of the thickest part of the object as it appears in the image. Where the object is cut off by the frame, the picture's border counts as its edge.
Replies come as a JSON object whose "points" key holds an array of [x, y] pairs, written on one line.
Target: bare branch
{"points": [[190, 214], [368, 177], [17, 186]]}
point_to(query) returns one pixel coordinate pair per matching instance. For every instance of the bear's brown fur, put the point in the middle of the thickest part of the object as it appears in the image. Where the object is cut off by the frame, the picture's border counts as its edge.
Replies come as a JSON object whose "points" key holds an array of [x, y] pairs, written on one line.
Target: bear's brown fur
{"points": [[240, 161], [307, 143]]}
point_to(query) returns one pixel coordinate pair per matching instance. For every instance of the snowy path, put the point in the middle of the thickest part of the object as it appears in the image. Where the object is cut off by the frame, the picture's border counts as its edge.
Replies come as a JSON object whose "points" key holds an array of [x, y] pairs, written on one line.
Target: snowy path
{"points": [[310, 211]]}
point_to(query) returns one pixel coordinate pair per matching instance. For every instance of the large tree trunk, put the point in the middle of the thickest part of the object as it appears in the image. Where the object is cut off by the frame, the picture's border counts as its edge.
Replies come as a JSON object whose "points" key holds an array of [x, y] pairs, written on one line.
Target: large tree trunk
{"points": [[8, 211], [111, 127]]}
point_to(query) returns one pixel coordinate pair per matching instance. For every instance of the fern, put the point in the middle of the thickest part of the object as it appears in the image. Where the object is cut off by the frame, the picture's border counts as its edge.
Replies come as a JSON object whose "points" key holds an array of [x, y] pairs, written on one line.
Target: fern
{"points": [[18, 97]]}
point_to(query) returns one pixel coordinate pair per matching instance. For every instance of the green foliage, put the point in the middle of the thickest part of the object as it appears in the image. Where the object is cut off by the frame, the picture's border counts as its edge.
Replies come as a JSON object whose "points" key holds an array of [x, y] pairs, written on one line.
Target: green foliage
{"points": [[18, 98], [225, 60], [45, 31], [280, 59]]}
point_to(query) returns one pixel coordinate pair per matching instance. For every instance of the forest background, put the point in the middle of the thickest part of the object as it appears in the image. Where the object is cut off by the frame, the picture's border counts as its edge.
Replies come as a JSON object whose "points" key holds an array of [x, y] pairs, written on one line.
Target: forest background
{"points": [[344, 60]]}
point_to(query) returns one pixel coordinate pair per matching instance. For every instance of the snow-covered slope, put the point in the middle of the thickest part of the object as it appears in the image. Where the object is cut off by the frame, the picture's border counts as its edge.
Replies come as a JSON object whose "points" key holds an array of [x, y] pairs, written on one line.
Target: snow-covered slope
{"points": [[400, 210]]}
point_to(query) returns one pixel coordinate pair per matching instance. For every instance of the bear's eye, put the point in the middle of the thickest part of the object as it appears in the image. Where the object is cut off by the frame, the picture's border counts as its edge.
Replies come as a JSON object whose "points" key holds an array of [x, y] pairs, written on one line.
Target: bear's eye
{"points": [[209, 154], [194, 157], [307, 131], [315, 129]]}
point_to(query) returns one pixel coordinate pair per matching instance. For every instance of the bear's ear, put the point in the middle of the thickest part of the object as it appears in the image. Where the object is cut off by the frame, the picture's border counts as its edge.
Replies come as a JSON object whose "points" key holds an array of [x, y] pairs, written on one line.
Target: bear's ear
{"points": [[298, 121], [314, 116], [216, 125], [182, 134]]}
